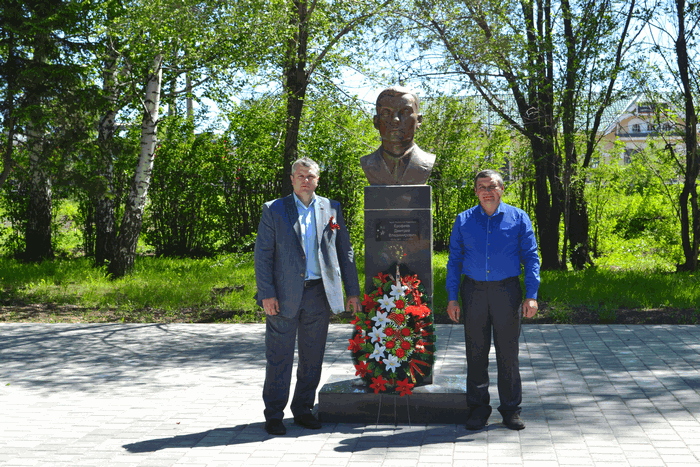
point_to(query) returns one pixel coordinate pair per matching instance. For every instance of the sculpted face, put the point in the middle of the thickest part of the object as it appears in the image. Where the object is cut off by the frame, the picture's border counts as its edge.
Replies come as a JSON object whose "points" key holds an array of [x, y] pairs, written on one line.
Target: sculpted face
{"points": [[397, 119]]}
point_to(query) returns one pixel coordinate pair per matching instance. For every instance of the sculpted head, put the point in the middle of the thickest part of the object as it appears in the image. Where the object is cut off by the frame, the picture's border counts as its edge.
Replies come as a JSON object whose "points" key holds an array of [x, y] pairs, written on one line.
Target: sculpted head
{"points": [[398, 117]]}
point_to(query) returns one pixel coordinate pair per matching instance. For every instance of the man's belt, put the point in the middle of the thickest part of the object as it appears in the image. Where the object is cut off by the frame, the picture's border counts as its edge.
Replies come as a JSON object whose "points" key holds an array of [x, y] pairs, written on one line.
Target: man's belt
{"points": [[312, 282]]}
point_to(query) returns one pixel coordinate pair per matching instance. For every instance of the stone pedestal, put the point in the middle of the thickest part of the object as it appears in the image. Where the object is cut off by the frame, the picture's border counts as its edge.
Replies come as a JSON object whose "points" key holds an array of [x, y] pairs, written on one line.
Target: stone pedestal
{"points": [[399, 228], [344, 400]]}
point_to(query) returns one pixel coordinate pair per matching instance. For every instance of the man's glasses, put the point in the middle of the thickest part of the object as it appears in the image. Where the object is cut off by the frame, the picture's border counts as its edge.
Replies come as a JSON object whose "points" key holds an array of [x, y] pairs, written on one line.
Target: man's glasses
{"points": [[483, 188]]}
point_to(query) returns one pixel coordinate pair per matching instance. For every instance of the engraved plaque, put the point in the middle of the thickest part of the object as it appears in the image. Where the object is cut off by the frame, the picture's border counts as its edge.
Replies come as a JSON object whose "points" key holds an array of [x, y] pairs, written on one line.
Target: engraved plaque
{"points": [[397, 230]]}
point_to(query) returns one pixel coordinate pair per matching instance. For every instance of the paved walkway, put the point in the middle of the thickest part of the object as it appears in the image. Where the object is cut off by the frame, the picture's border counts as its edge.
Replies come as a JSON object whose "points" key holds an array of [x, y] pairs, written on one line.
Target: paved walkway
{"points": [[189, 395]]}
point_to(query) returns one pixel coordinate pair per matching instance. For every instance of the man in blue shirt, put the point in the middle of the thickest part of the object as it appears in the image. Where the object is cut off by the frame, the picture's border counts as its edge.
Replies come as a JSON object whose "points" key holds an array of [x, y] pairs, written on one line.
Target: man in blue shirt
{"points": [[488, 245], [303, 261]]}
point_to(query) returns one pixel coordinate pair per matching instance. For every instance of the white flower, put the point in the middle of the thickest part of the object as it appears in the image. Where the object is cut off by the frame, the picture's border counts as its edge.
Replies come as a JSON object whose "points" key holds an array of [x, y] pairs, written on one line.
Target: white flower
{"points": [[392, 363], [387, 303], [398, 290], [377, 334], [378, 353], [381, 320]]}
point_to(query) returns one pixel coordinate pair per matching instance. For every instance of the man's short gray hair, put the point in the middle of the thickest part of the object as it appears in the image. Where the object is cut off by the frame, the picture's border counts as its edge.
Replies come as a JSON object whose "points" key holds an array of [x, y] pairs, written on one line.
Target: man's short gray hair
{"points": [[488, 173], [306, 162]]}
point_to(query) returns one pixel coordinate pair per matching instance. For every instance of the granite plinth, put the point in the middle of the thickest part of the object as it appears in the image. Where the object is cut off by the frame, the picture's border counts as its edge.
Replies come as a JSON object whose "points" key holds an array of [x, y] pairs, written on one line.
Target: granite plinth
{"points": [[344, 400], [399, 228]]}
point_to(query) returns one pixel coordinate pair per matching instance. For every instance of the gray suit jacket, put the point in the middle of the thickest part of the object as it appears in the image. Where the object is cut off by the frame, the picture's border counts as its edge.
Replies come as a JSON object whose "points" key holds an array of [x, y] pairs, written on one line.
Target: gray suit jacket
{"points": [[280, 264]]}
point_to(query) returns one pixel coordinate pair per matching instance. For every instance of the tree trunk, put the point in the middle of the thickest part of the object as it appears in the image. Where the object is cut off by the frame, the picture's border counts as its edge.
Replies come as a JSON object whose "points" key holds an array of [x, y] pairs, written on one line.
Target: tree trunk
{"points": [[296, 83], [130, 229], [8, 106], [576, 237], [548, 202], [104, 200], [690, 212], [578, 225], [37, 235]]}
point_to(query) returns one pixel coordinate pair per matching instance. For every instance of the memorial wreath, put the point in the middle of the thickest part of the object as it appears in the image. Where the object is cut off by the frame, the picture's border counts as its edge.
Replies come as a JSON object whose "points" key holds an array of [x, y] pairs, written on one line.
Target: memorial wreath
{"points": [[393, 344]]}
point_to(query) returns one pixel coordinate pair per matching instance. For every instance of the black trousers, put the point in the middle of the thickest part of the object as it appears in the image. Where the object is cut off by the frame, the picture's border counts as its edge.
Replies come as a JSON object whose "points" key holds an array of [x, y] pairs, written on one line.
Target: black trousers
{"points": [[311, 326], [493, 306]]}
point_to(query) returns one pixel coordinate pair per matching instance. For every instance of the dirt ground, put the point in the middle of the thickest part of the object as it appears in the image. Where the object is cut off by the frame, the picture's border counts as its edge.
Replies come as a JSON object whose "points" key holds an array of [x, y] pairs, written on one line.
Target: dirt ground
{"points": [[51, 313]]}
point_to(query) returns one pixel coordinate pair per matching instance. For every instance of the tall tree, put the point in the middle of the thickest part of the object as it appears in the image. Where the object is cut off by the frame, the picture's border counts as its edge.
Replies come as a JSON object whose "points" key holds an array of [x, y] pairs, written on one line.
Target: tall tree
{"points": [[506, 51], [42, 43], [316, 28], [674, 27], [673, 60], [536, 64], [688, 15], [594, 49]]}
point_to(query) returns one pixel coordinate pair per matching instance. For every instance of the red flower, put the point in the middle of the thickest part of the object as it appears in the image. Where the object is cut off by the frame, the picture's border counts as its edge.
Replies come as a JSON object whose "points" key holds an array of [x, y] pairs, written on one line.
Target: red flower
{"points": [[390, 344], [411, 281], [362, 369], [406, 332], [399, 304], [405, 345], [333, 225], [368, 302], [383, 277], [356, 343], [378, 384], [401, 353], [420, 311], [389, 331], [404, 387]]}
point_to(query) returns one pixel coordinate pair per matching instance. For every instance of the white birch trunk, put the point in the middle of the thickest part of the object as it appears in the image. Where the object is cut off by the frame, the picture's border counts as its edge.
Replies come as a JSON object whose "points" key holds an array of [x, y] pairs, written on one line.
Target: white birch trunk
{"points": [[132, 221]]}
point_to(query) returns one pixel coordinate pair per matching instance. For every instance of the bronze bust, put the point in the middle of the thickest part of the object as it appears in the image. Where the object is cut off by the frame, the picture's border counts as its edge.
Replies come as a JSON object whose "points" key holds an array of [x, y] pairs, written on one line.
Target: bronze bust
{"points": [[398, 161]]}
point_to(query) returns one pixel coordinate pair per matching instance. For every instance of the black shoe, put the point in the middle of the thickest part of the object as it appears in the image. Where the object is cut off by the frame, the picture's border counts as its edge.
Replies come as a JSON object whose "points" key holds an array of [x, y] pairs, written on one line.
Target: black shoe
{"points": [[478, 419], [514, 422], [307, 420], [275, 427]]}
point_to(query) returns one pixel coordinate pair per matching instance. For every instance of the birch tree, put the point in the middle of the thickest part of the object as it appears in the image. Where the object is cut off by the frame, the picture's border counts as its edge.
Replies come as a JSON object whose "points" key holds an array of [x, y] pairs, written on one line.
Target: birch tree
{"points": [[205, 40]]}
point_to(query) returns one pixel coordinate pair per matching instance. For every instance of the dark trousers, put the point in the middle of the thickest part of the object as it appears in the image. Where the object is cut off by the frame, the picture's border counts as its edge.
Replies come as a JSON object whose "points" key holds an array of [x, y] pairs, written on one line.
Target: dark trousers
{"points": [[311, 325], [493, 306]]}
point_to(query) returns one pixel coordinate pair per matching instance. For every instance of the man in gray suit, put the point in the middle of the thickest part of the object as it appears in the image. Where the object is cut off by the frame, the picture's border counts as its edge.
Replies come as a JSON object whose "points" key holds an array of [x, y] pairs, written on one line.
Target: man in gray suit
{"points": [[303, 257]]}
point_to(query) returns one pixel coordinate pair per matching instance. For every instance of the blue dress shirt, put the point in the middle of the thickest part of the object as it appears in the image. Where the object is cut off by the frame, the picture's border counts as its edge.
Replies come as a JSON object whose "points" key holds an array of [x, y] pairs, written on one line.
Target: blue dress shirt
{"points": [[307, 221], [492, 248]]}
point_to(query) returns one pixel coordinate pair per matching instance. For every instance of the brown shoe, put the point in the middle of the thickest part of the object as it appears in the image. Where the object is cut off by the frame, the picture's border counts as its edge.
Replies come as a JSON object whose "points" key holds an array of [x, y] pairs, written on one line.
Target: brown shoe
{"points": [[514, 422]]}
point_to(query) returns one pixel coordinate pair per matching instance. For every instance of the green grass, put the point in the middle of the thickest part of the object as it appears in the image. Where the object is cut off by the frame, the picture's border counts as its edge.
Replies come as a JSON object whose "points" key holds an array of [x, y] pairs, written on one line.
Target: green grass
{"points": [[221, 289], [602, 288]]}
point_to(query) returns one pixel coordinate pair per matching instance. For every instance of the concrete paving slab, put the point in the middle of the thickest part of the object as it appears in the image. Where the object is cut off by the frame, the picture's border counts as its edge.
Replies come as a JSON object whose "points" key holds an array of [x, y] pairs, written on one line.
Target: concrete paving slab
{"points": [[190, 394]]}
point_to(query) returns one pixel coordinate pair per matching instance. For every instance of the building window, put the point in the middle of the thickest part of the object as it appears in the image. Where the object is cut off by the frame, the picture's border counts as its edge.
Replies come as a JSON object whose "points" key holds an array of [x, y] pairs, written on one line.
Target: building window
{"points": [[636, 128]]}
